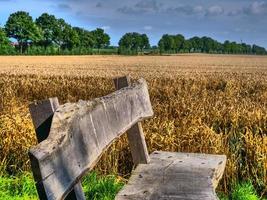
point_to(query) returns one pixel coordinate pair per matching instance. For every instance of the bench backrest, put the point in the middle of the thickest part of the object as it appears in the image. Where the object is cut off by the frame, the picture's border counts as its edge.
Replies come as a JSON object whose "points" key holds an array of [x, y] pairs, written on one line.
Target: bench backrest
{"points": [[79, 134]]}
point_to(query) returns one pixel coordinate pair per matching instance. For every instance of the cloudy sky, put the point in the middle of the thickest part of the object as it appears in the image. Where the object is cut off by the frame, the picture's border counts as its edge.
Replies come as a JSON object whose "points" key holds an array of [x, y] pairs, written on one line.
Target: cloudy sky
{"points": [[235, 20]]}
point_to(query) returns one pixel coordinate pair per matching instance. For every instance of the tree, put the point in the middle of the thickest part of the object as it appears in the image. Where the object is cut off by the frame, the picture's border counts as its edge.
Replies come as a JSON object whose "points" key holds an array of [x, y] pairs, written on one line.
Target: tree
{"points": [[21, 27], [125, 44], [86, 37], [258, 50], [48, 24], [65, 36], [5, 47], [133, 42], [197, 44], [3, 38], [136, 42], [234, 48], [101, 38], [227, 46], [247, 49], [166, 43], [60, 27], [70, 38], [178, 42], [187, 46], [145, 42]]}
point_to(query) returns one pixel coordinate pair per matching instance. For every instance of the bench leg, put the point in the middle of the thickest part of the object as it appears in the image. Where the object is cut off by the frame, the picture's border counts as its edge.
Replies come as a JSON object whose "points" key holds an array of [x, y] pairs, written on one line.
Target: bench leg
{"points": [[42, 114]]}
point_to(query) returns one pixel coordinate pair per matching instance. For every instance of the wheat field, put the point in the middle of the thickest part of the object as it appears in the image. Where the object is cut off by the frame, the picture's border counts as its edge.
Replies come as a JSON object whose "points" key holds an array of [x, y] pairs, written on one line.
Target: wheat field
{"points": [[145, 66], [202, 103]]}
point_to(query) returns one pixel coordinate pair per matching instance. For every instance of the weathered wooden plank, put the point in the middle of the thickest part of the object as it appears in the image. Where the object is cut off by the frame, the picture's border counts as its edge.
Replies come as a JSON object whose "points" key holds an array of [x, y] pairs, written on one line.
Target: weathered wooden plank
{"points": [[42, 113], [175, 176], [135, 134], [80, 132]]}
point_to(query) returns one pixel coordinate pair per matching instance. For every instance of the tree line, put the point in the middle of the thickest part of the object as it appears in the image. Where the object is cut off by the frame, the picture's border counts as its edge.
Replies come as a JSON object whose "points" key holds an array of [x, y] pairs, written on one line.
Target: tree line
{"points": [[50, 35], [178, 44], [47, 34]]}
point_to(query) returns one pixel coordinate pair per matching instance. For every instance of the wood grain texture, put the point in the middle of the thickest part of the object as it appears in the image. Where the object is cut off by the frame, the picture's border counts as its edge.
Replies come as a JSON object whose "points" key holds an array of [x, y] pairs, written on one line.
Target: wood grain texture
{"points": [[175, 176], [135, 134], [80, 132], [42, 113]]}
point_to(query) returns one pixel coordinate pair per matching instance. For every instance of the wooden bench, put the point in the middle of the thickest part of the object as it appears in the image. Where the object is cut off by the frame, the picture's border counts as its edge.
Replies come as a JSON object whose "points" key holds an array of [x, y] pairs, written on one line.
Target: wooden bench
{"points": [[73, 136]]}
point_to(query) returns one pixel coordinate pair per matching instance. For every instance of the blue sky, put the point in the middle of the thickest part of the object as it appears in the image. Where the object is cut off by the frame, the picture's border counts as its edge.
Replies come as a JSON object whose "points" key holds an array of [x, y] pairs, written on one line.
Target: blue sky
{"points": [[235, 20]]}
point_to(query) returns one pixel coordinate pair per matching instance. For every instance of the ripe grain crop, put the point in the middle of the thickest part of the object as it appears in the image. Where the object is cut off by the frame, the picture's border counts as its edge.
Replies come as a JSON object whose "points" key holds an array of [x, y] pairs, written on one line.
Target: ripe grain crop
{"points": [[202, 103]]}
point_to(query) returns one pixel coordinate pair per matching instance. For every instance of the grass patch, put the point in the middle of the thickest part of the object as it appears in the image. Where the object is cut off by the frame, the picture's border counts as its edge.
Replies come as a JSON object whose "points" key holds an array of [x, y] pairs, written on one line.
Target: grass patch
{"points": [[22, 187], [97, 187], [19, 187], [101, 188], [242, 191]]}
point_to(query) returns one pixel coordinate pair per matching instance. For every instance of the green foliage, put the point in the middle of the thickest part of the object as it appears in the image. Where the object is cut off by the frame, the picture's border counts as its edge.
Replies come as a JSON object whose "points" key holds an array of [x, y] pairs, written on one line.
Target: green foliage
{"points": [[101, 39], [144, 42], [244, 191], [95, 187], [5, 46], [177, 43], [106, 51], [3, 38], [233, 48], [171, 43], [61, 28], [22, 187], [132, 43], [222, 196], [51, 36], [167, 44], [186, 46], [70, 38], [48, 23], [86, 37], [101, 188], [258, 50], [21, 27]]}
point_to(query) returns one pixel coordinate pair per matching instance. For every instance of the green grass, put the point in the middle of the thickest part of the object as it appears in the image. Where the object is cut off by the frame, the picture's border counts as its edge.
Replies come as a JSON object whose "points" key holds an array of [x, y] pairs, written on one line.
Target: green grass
{"points": [[22, 187], [101, 188], [242, 191], [95, 187]]}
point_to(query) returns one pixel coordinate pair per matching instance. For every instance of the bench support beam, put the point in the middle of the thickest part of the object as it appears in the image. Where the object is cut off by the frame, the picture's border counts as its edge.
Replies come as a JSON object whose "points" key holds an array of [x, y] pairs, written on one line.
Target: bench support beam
{"points": [[135, 134]]}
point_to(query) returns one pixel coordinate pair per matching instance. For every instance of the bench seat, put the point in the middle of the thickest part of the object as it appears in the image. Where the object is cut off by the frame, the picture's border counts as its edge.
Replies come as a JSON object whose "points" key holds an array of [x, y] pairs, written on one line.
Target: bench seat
{"points": [[175, 176]]}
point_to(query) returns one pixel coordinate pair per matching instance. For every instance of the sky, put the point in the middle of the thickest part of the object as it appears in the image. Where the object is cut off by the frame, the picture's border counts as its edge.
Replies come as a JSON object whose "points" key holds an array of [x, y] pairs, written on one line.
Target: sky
{"points": [[234, 20]]}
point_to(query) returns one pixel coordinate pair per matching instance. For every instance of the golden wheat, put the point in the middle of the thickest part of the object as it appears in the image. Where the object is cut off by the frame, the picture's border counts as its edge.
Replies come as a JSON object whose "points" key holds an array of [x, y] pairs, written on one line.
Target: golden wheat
{"points": [[208, 109]]}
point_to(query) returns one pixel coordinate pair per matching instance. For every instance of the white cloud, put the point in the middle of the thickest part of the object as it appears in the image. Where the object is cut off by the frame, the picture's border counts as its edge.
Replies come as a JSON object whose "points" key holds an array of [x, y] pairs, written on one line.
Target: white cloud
{"points": [[106, 27], [258, 7], [141, 7], [215, 10], [148, 28], [198, 9]]}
